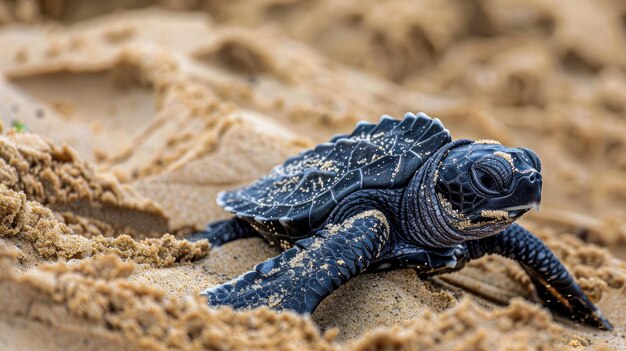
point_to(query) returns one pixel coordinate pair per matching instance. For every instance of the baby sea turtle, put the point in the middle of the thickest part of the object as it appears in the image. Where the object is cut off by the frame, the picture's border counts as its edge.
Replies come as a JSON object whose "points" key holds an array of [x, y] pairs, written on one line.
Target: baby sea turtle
{"points": [[390, 195]]}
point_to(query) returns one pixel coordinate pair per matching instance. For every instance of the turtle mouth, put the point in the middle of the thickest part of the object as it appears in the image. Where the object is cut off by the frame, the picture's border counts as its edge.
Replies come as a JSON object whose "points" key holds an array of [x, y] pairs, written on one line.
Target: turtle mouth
{"points": [[517, 211], [504, 214]]}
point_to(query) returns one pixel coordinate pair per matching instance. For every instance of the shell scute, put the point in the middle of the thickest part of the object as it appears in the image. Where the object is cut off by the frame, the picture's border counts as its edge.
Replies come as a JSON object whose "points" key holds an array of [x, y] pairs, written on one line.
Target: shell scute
{"points": [[296, 197]]}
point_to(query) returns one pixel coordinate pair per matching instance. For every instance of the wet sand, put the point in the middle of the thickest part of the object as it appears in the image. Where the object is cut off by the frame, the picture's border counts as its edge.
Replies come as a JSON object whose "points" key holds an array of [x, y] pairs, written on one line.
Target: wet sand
{"points": [[119, 129]]}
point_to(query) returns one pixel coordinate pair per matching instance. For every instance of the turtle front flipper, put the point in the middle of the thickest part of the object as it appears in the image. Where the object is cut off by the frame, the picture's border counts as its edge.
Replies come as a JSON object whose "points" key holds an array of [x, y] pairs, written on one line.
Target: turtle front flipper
{"points": [[553, 283], [221, 232], [302, 276]]}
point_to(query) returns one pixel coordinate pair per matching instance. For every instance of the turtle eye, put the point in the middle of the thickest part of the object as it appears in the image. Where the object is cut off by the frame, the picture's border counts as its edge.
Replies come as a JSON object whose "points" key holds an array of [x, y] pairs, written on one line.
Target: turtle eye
{"points": [[486, 181], [491, 176]]}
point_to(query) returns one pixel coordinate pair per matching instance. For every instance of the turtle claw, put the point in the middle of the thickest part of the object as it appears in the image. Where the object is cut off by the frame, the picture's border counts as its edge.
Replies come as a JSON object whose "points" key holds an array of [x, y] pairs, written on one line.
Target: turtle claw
{"points": [[599, 321], [586, 312], [583, 310], [602, 322]]}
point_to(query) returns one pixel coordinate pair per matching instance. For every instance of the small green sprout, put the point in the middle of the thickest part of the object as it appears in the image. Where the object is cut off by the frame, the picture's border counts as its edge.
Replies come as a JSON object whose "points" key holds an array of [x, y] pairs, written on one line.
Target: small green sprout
{"points": [[19, 126]]}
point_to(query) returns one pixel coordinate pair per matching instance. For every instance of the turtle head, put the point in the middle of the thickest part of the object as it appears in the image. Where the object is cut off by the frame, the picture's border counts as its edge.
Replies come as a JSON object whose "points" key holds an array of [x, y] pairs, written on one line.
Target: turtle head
{"points": [[483, 187]]}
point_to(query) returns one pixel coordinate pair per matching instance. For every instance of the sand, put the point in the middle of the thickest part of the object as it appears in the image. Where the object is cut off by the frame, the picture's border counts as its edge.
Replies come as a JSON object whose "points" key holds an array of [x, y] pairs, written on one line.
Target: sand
{"points": [[120, 127]]}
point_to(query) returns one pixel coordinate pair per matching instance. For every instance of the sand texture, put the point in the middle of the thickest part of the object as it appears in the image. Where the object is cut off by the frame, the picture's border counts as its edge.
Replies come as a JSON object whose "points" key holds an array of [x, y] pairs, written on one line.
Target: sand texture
{"points": [[119, 128]]}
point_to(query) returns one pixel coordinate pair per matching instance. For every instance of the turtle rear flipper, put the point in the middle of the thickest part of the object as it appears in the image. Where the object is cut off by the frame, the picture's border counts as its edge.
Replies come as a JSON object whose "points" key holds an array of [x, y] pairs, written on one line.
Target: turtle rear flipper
{"points": [[553, 283], [302, 276], [221, 232]]}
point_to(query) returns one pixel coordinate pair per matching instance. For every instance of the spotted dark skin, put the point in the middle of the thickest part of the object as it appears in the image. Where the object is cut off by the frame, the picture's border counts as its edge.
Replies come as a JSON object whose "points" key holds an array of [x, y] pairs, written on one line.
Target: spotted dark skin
{"points": [[397, 194]]}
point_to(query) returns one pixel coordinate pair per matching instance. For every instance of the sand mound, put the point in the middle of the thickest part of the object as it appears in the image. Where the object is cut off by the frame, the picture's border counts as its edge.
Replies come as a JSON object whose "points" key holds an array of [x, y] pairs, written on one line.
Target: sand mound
{"points": [[94, 297]]}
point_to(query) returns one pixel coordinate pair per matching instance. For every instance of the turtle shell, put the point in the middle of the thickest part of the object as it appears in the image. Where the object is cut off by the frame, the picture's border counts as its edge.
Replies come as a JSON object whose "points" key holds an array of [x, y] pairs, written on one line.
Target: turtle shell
{"points": [[297, 196]]}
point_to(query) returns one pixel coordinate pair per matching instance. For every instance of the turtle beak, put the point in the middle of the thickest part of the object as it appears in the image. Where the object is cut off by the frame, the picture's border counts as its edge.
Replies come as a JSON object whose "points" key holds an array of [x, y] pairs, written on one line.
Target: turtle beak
{"points": [[525, 196], [528, 190]]}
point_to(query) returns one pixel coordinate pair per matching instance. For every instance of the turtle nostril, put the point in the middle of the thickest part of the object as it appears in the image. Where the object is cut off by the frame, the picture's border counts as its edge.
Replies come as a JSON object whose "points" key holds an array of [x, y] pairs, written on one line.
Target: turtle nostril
{"points": [[533, 177]]}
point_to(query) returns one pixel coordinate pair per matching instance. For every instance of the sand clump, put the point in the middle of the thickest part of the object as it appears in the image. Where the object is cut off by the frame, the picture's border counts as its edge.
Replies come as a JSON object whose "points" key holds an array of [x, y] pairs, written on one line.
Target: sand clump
{"points": [[469, 327], [34, 229], [29, 222], [54, 176], [158, 252]]}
